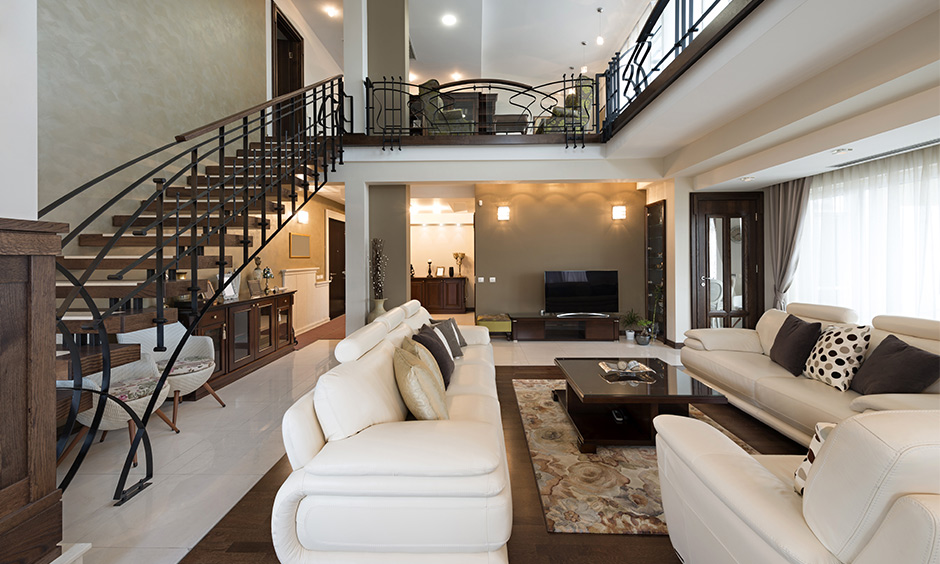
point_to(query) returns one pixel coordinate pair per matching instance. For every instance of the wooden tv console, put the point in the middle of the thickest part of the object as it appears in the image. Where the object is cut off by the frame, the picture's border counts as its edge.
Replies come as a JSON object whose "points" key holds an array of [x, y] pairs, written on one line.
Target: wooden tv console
{"points": [[550, 327]]}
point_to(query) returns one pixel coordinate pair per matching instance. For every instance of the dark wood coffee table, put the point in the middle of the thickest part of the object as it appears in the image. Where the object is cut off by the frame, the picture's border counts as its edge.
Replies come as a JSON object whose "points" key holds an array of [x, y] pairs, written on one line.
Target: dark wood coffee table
{"points": [[594, 404]]}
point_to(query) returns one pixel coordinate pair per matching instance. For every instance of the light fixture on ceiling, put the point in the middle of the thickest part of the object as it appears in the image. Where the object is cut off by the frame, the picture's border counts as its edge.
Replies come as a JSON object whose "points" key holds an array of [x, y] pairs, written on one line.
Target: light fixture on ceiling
{"points": [[502, 213], [600, 38], [842, 151], [747, 178], [412, 77], [456, 76], [331, 11], [618, 212], [583, 66], [303, 217], [449, 20]]}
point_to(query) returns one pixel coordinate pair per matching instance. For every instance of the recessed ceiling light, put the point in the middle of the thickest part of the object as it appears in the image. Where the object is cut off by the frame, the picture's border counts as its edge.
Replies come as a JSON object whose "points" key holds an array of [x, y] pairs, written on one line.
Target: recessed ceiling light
{"points": [[412, 77], [331, 11], [747, 178], [842, 151], [456, 76], [449, 20], [600, 40], [583, 70]]}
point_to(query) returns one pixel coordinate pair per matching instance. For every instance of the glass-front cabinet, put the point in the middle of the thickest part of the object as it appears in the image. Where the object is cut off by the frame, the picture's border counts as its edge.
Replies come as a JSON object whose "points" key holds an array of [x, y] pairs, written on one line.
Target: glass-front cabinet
{"points": [[266, 328]]}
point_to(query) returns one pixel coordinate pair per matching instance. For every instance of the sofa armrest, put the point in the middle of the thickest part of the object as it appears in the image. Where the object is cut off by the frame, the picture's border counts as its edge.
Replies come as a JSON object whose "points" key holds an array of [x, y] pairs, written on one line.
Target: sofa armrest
{"points": [[301, 431], [412, 448], [910, 533], [714, 476], [887, 402], [475, 335], [740, 340]]}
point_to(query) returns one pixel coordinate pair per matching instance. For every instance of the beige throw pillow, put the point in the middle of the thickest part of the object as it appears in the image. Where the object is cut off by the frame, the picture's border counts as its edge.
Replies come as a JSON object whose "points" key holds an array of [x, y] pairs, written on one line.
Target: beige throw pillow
{"points": [[425, 355], [418, 387]]}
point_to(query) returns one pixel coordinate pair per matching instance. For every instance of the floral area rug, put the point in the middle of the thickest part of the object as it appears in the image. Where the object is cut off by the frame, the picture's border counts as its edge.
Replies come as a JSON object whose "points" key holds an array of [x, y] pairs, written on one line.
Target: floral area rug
{"points": [[615, 491]]}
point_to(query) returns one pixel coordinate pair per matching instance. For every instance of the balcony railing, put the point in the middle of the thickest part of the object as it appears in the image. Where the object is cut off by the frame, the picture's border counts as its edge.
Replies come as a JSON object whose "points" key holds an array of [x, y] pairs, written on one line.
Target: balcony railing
{"points": [[396, 109]]}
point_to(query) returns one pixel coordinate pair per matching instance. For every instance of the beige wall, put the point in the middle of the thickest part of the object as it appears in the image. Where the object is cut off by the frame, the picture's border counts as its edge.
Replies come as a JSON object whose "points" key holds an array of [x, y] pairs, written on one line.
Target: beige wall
{"points": [[388, 220], [118, 78], [439, 243], [277, 253], [556, 227], [18, 113]]}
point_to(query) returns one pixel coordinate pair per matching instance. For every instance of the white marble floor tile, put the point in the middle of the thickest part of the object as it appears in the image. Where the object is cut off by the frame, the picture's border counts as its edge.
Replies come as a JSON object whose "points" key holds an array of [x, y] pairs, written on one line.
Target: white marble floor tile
{"points": [[123, 555]]}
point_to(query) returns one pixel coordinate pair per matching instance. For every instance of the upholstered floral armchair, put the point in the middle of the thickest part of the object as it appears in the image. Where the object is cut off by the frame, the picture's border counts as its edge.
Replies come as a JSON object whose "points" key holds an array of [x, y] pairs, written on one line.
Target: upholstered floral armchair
{"points": [[575, 115], [437, 118]]}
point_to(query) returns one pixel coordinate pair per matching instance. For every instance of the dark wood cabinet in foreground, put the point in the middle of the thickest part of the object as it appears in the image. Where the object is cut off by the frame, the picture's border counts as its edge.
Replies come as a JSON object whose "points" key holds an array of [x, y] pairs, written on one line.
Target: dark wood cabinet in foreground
{"points": [[247, 334], [441, 295], [549, 327]]}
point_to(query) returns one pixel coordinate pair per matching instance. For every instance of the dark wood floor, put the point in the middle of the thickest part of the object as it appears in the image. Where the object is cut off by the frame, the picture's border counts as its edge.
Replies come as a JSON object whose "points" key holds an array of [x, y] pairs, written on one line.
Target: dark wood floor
{"points": [[244, 534], [332, 329]]}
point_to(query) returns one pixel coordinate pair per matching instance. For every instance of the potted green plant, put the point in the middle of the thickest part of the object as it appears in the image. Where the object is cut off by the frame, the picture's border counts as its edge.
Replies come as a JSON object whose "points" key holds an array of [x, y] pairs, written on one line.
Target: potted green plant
{"points": [[645, 335], [629, 322]]}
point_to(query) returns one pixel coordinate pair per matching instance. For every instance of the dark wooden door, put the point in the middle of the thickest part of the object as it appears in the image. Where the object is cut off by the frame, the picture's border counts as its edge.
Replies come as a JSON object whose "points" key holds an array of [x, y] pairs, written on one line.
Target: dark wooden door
{"points": [[288, 75], [337, 250], [728, 253]]}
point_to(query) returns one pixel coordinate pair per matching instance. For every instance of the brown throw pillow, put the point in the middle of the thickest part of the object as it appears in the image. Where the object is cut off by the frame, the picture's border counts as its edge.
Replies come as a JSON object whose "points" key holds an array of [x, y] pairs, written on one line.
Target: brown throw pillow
{"points": [[430, 340], [793, 344], [896, 367]]}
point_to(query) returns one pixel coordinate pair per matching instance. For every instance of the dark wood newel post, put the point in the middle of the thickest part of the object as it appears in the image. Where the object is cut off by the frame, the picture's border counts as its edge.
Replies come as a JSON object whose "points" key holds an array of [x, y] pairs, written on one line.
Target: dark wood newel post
{"points": [[30, 503]]}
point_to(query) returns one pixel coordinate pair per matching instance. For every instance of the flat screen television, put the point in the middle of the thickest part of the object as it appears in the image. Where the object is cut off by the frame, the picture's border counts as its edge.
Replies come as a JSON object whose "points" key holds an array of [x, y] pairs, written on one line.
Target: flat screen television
{"points": [[581, 291]]}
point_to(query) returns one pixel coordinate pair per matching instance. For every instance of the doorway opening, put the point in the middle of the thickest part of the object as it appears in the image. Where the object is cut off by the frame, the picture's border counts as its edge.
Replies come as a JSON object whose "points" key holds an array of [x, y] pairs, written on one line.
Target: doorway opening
{"points": [[336, 262], [728, 251], [287, 67]]}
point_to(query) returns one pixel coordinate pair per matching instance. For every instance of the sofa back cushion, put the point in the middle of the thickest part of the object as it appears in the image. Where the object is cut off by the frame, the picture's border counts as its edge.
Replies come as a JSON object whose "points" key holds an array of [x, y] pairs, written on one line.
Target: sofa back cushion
{"points": [[824, 314], [398, 334], [417, 319], [921, 333], [358, 394], [391, 318], [359, 342], [865, 465], [767, 327]]}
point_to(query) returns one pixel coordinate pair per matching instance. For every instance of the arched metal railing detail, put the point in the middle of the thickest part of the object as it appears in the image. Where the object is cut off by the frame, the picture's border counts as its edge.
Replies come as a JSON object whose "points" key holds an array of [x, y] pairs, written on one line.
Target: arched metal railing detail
{"points": [[249, 172]]}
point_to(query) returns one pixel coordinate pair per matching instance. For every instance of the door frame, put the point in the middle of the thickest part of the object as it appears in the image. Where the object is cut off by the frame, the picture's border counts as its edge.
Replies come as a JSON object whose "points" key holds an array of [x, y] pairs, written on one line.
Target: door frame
{"points": [[338, 216], [757, 307], [278, 19]]}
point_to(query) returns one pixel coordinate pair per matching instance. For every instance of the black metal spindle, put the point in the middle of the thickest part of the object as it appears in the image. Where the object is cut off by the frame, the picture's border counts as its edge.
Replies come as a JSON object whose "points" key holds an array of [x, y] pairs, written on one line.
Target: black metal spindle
{"points": [[259, 185], [245, 191], [194, 235], [161, 278], [223, 174]]}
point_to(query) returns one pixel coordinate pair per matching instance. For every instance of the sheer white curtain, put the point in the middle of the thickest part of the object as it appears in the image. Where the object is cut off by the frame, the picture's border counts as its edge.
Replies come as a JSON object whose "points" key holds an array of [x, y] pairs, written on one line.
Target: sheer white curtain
{"points": [[871, 240]]}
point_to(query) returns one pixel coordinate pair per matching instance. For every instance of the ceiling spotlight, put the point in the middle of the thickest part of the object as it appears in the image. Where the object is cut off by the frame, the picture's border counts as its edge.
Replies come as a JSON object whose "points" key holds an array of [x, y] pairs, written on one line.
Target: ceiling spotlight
{"points": [[456, 76], [600, 40], [331, 11], [449, 20], [584, 70], [747, 178], [842, 151]]}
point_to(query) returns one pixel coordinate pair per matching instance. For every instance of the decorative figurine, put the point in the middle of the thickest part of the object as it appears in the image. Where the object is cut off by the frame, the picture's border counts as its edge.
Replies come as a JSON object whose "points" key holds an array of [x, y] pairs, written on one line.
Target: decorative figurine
{"points": [[459, 258], [429, 269]]}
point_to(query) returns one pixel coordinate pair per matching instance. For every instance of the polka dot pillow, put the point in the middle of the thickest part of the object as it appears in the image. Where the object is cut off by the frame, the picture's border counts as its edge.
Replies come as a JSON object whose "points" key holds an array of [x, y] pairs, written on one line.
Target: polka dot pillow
{"points": [[837, 355]]}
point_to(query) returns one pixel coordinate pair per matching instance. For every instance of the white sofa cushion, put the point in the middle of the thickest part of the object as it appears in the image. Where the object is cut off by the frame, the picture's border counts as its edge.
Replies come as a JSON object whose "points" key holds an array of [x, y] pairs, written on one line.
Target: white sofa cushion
{"points": [[475, 335], [865, 465], [359, 342], [736, 371], [477, 354], [418, 319], [824, 314], [741, 340], [392, 318], [474, 407], [767, 327], [472, 379], [411, 307], [353, 396], [910, 533], [884, 402], [803, 402]]}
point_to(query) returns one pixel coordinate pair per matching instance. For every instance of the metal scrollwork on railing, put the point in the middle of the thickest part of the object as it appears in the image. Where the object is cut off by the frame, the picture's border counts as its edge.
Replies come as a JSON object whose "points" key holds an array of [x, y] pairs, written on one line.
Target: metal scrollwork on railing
{"points": [[397, 109], [251, 171]]}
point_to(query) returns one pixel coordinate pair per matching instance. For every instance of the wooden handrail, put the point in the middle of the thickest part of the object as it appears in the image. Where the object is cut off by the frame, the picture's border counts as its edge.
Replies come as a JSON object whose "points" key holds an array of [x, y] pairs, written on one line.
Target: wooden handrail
{"points": [[227, 120]]}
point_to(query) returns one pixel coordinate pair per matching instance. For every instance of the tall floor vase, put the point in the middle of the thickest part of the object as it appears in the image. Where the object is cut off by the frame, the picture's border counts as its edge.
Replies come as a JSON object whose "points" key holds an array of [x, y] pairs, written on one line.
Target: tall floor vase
{"points": [[378, 308]]}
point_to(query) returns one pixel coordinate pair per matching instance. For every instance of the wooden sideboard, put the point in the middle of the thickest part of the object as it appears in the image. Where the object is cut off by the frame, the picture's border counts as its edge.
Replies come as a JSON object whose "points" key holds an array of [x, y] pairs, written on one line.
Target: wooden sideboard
{"points": [[441, 295], [30, 502], [247, 335]]}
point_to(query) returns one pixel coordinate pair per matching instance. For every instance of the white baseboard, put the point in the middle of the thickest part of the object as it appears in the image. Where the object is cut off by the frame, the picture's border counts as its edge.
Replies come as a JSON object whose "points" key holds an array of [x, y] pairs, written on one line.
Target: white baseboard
{"points": [[309, 326], [72, 553]]}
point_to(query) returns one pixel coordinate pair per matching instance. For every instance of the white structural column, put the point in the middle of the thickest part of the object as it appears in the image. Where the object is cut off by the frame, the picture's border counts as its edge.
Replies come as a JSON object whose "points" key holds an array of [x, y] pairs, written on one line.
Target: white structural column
{"points": [[679, 269], [357, 253], [356, 58], [19, 134]]}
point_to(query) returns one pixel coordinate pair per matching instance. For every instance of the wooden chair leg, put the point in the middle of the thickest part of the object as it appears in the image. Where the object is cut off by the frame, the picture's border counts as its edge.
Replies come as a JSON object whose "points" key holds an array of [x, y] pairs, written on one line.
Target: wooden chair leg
{"points": [[176, 404], [166, 420], [132, 430], [81, 435], [103, 435], [215, 395]]}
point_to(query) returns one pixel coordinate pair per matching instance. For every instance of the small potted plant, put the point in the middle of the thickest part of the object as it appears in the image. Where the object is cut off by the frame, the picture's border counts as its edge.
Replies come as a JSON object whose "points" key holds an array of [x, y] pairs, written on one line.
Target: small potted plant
{"points": [[629, 322], [645, 335]]}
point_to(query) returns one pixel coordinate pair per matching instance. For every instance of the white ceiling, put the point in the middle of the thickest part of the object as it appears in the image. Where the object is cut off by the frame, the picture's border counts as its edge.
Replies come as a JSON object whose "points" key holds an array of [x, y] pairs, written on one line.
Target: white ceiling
{"points": [[530, 41]]}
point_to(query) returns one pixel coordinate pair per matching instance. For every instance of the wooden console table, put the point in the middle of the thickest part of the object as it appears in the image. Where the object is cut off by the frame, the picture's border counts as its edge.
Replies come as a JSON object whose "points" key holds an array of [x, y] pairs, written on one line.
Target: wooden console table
{"points": [[247, 334], [549, 327], [441, 295]]}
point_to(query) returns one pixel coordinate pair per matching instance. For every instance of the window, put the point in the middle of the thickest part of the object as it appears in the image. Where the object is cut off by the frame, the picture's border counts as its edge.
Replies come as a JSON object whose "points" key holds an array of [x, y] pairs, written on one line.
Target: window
{"points": [[871, 238]]}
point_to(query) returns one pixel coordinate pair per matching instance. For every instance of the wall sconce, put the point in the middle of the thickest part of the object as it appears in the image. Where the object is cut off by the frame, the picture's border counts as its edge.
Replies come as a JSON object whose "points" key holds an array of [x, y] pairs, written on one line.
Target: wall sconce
{"points": [[303, 217], [502, 213], [618, 212]]}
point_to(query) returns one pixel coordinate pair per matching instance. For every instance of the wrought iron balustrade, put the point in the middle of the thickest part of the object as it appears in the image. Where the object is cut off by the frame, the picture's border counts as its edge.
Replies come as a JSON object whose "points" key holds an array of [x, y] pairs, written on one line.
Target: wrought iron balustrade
{"points": [[210, 187], [396, 109]]}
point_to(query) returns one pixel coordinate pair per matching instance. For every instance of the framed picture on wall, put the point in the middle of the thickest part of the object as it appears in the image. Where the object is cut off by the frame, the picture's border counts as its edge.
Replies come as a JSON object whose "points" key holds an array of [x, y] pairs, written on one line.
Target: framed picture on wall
{"points": [[440, 271], [299, 245]]}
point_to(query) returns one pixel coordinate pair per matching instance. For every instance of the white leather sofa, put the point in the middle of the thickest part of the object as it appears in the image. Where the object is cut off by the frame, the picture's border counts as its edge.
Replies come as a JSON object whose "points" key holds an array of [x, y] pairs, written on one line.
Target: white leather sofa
{"points": [[368, 486], [872, 495], [737, 363]]}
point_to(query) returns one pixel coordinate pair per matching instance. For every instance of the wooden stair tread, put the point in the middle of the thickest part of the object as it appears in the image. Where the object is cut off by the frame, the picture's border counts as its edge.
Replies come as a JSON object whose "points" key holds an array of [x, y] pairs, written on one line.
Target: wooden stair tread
{"points": [[115, 262], [202, 207], [254, 222], [120, 322], [120, 288], [150, 241]]}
